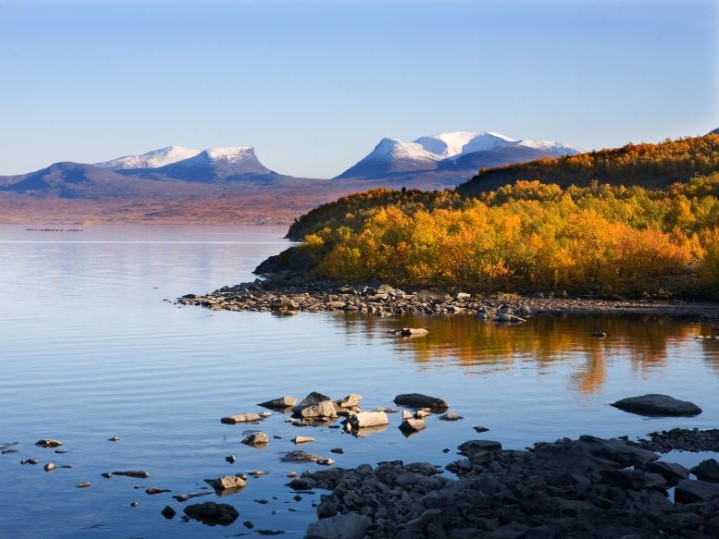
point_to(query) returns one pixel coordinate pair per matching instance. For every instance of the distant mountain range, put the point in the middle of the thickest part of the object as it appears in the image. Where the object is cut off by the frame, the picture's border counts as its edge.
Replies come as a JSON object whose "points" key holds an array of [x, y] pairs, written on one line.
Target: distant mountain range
{"points": [[452, 153]]}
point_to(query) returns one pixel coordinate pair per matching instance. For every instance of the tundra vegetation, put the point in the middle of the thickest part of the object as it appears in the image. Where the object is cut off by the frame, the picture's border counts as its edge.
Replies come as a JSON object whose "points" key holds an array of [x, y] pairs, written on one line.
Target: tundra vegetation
{"points": [[586, 238]]}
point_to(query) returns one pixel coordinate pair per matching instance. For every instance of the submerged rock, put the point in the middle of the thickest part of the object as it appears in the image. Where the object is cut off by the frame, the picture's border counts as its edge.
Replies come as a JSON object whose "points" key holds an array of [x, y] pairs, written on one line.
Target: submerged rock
{"points": [[247, 417], [657, 405], [212, 513], [418, 400], [48, 442], [138, 474]]}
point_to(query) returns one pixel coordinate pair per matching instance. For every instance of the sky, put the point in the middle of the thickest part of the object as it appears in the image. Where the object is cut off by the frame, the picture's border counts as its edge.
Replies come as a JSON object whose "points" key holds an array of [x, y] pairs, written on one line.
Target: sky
{"points": [[313, 85]]}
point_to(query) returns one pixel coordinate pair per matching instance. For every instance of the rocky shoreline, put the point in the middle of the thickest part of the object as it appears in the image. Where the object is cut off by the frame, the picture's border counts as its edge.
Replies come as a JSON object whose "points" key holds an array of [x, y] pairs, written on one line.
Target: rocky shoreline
{"points": [[282, 297]]}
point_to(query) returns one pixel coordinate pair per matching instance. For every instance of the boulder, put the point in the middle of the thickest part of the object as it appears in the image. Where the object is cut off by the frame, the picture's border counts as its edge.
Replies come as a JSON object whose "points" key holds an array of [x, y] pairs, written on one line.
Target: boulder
{"points": [[226, 482], [367, 419], [315, 405], [248, 417], [471, 447], [342, 526], [350, 401], [280, 403], [417, 400], [656, 405], [302, 440], [48, 442], [707, 470], [256, 438], [691, 491], [212, 513], [451, 416], [410, 426], [672, 472]]}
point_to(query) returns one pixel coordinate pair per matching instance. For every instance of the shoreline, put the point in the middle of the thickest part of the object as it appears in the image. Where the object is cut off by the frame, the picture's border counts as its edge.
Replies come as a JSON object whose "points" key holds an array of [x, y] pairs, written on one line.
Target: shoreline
{"points": [[282, 297]]}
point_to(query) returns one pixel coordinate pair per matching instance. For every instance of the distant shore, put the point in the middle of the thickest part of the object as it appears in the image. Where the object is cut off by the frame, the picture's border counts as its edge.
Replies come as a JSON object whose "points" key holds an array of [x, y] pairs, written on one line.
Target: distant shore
{"points": [[284, 297]]}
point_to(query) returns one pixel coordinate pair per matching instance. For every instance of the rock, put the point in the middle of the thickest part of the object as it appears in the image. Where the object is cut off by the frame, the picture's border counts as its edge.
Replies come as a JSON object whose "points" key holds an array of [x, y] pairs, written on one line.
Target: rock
{"points": [[231, 459], [185, 497], [616, 450], [315, 405], [212, 513], [106, 475], [48, 442], [337, 451], [256, 439], [114, 439], [302, 440], [138, 474], [350, 401], [49, 467], [367, 419], [599, 334], [410, 426], [84, 484], [248, 417], [248, 524], [226, 482], [451, 416], [421, 413], [479, 428], [28, 461], [280, 403], [302, 483], [409, 332], [475, 446], [707, 470], [672, 472], [417, 400], [154, 491], [656, 405], [344, 526], [168, 512], [303, 456], [693, 491], [406, 415]]}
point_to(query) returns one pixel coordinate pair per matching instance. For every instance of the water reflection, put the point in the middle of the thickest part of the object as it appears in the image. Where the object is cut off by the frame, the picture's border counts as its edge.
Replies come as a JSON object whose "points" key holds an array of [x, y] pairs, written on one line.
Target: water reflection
{"points": [[481, 347]]}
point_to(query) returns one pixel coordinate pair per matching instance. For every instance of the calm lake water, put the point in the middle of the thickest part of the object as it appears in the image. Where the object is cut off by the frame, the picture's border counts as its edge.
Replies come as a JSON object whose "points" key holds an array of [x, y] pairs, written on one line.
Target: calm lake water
{"points": [[90, 350]]}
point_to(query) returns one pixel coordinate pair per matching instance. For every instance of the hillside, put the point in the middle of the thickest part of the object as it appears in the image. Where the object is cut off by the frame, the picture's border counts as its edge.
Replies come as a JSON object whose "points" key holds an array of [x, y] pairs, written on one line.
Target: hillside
{"points": [[528, 236], [648, 165]]}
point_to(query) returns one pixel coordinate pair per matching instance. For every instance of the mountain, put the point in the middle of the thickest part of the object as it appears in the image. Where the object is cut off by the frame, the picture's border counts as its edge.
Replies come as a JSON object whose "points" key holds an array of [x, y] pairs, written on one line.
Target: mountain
{"points": [[452, 154], [73, 180], [214, 165], [152, 159]]}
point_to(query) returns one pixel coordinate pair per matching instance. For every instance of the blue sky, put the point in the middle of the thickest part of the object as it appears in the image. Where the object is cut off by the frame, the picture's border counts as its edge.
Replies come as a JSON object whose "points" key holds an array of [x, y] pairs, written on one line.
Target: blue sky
{"points": [[313, 85]]}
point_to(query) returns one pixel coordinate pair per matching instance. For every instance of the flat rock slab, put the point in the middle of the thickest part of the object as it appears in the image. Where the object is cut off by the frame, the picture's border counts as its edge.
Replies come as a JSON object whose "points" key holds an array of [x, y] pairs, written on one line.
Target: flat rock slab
{"points": [[343, 526], [138, 474], [212, 513], [280, 403], [475, 446], [417, 400], [690, 491], [656, 405], [247, 417]]}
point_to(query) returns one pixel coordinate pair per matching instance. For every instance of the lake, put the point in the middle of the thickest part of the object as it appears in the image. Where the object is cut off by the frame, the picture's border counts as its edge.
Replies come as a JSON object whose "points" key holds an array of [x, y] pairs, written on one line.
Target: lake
{"points": [[92, 349]]}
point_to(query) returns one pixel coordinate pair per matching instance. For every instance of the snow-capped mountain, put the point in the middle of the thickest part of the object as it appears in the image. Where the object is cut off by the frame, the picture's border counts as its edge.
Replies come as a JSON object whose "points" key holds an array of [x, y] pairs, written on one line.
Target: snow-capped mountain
{"points": [[152, 159], [206, 166], [455, 150]]}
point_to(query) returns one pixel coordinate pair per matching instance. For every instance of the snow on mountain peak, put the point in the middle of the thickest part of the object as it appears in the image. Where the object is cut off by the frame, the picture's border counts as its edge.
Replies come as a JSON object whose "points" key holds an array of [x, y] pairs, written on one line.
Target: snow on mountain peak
{"points": [[549, 146], [398, 149], [151, 159], [232, 154], [454, 144]]}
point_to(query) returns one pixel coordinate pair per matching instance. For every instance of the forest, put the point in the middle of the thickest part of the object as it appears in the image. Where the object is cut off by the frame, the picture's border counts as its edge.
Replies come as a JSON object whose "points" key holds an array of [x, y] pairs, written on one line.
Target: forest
{"points": [[528, 236]]}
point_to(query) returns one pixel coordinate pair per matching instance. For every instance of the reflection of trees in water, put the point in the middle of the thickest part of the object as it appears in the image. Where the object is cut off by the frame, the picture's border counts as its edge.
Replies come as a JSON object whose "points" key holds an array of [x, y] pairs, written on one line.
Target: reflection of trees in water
{"points": [[710, 344], [480, 346]]}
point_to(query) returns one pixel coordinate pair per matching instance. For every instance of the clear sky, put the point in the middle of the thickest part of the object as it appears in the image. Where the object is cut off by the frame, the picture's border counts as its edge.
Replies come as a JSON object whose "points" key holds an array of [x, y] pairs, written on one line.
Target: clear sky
{"points": [[313, 85]]}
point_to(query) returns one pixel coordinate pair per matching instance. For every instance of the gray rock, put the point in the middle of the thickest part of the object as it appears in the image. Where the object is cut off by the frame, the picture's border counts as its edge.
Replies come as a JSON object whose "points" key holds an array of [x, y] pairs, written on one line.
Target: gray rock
{"points": [[247, 417], [367, 419], [475, 446], [451, 416], [350, 401], [280, 403], [672, 472], [693, 491], [656, 405], [707, 470], [212, 513], [410, 426], [418, 400], [315, 405], [343, 526], [256, 439], [303, 456]]}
